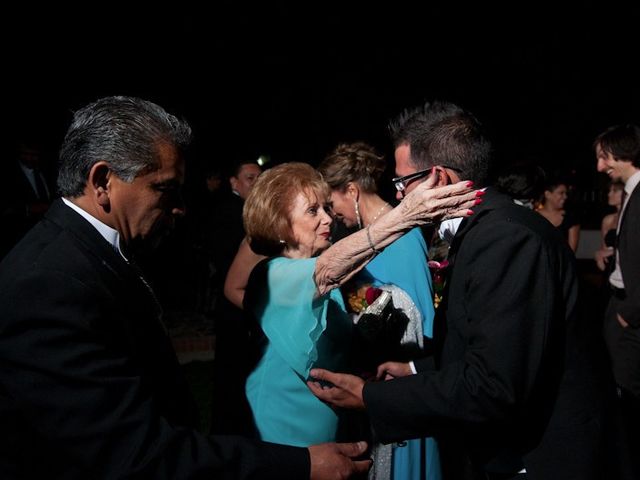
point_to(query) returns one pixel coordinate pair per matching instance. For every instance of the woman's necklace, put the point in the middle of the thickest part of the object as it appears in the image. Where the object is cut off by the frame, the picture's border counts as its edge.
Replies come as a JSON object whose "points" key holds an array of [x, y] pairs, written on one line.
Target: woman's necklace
{"points": [[378, 213]]}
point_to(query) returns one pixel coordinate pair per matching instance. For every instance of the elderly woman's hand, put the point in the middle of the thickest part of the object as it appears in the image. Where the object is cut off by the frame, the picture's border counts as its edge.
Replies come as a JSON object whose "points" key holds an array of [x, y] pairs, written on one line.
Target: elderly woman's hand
{"points": [[428, 203], [425, 204]]}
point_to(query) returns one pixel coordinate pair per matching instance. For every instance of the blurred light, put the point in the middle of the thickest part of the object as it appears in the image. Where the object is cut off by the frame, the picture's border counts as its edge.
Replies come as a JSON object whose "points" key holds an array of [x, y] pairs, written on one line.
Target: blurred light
{"points": [[263, 160]]}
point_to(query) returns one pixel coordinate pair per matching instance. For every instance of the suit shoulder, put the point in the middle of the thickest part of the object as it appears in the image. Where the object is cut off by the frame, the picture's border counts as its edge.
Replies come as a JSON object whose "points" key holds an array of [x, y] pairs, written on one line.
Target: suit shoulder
{"points": [[516, 220]]}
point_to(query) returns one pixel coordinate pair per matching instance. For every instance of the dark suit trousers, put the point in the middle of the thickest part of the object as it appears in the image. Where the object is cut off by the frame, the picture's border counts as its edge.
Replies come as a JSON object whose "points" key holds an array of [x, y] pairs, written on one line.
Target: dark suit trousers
{"points": [[624, 350]]}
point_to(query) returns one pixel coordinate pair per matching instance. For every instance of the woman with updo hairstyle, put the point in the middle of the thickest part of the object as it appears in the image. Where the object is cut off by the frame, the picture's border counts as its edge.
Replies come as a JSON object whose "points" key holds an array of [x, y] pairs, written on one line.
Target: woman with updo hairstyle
{"points": [[293, 293], [353, 171]]}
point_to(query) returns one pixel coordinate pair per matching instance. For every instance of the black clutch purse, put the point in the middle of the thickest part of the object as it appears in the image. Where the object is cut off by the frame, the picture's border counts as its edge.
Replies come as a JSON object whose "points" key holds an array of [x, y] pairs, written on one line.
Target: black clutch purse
{"points": [[378, 332]]}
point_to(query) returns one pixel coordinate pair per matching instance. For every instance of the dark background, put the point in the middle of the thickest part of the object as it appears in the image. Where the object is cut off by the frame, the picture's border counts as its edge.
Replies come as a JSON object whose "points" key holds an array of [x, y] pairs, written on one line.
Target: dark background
{"points": [[291, 79]]}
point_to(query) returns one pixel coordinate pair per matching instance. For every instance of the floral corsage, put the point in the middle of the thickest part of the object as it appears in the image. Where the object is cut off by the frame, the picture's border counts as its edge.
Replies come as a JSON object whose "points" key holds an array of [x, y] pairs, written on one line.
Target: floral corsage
{"points": [[362, 297], [438, 273]]}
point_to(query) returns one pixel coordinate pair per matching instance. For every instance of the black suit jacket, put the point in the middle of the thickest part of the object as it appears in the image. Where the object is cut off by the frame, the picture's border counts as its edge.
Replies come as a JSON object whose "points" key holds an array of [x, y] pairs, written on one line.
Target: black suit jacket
{"points": [[513, 382], [624, 343], [629, 253], [20, 208], [89, 383], [226, 232]]}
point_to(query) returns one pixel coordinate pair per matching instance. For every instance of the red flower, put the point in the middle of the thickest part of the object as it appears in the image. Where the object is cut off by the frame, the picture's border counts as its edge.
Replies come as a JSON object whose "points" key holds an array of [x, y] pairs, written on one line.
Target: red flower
{"points": [[360, 296], [371, 294], [438, 273]]}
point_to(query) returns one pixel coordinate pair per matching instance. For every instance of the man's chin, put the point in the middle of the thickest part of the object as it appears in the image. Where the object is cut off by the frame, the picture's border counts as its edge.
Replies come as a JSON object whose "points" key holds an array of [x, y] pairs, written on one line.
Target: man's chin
{"points": [[151, 241]]}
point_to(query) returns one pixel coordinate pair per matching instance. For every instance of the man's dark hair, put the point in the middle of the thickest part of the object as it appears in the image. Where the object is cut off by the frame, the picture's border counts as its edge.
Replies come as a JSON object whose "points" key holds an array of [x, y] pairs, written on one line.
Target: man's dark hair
{"points": [[521, 181], [441, 133], [622, 142]]}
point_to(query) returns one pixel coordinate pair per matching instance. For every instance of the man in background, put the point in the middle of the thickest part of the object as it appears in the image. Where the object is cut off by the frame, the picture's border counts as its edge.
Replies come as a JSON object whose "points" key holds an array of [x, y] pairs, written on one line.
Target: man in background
{"points": [[618, 153], [25, 193]]}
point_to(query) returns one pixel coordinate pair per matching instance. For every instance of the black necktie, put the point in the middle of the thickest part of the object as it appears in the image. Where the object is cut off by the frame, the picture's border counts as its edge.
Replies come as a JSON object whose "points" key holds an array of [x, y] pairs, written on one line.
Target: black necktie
{"points": [[41, 190]]}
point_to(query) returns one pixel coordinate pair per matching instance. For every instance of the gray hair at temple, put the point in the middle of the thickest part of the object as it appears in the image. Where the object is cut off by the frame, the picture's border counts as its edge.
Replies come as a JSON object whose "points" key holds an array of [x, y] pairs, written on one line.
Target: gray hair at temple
{"points": [[441, 133], [123, 131]]}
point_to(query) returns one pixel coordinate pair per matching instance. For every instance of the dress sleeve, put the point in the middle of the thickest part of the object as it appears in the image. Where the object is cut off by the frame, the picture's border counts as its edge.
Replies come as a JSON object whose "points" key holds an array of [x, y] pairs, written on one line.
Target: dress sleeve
{"points": [[291, 313]]}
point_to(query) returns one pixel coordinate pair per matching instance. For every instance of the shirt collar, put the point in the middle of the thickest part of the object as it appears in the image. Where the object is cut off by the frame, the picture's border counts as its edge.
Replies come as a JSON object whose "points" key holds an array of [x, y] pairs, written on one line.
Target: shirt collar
{"points": [[632, 183], [110, 235], [449, 228]]}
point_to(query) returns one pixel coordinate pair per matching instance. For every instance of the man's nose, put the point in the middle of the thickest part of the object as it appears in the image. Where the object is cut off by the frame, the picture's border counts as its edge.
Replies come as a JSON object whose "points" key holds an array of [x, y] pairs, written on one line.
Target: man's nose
{"points": [[399, 195], [179, 209], [601, 166]]}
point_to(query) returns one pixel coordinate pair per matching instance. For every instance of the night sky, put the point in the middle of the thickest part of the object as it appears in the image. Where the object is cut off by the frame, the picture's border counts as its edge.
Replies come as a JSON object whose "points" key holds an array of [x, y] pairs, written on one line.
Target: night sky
{"points": [[291, 79]]}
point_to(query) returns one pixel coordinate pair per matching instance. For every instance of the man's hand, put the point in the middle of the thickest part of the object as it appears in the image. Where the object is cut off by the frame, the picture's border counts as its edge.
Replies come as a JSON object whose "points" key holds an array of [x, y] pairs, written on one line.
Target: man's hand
{"points": [[335, 460], [391, 370], [602, 257], [346, 391]]}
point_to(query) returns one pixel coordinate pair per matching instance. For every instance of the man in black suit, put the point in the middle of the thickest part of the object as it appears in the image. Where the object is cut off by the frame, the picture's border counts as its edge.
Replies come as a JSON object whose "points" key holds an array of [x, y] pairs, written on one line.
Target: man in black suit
{"points": [[618, 153], [25, 194], [89, 384], [511, 386], [236, 351]]}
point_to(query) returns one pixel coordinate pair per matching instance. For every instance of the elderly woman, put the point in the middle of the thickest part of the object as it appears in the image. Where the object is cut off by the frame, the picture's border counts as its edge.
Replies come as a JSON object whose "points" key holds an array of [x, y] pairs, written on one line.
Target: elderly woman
{"points": [[293, 293], [353, 172]]}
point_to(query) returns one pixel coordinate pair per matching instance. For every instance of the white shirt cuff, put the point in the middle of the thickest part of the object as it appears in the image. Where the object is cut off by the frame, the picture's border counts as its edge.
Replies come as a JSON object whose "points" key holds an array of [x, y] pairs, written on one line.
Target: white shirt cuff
{"points": [[413, 367]]}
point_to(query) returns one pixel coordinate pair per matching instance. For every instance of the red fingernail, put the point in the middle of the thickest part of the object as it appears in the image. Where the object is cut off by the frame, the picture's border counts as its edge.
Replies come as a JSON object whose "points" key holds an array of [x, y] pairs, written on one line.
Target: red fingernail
{"points": [[477, 201], [470, 212], [470, 184], [479, 193]]}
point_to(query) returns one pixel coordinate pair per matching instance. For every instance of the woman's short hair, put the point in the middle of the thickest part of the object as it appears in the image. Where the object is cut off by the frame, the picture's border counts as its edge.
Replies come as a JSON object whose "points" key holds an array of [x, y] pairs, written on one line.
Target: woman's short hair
{"points": [[355, 162], [267, 209]]}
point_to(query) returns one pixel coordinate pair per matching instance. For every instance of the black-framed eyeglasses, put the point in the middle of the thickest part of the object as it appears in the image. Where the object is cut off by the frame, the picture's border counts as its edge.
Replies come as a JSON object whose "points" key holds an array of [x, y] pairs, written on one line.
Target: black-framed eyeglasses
{"points": [[401, 183]]}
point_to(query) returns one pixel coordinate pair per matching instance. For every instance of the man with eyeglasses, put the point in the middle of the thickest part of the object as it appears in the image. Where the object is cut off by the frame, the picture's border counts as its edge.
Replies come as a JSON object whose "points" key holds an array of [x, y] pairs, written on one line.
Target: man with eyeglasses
{"points": [[511, 390]]}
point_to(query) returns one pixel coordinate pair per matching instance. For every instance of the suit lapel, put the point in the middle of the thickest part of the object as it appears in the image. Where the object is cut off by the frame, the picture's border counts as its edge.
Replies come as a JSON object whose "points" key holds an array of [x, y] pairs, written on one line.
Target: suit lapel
{"points": [[123, 277], [490, 201], [632, 198]]}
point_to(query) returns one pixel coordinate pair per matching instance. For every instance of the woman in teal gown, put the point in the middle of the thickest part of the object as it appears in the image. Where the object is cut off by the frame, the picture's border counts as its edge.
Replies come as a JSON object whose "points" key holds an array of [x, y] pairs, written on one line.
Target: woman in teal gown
{"points": [[300, 337], [294, 292], [353, 171]]}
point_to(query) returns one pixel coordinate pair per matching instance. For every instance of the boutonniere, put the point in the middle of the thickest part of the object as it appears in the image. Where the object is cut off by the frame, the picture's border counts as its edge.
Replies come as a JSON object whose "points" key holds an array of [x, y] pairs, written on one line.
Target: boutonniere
{"points": [[438, 274]]}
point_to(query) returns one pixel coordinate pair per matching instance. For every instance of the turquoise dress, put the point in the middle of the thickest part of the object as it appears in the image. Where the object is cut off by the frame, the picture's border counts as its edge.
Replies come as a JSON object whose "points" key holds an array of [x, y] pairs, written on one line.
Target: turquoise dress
{"points": [[303, 330], [404, 264]]}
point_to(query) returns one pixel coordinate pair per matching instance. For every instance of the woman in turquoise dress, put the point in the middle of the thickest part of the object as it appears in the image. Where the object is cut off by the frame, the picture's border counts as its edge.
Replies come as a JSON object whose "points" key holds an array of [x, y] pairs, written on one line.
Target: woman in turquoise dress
{"points": [[353, 172], [294, 292]]}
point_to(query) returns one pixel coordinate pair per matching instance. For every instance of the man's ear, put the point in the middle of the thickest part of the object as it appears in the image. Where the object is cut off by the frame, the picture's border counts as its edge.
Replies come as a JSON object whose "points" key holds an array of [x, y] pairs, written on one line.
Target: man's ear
{"points": [[443, 176], [233, 182], [98, 183]]}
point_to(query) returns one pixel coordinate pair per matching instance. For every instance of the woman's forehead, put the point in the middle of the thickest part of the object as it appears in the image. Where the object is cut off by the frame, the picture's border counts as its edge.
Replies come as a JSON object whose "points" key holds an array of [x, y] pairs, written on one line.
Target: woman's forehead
{"points": [[314, 196]]}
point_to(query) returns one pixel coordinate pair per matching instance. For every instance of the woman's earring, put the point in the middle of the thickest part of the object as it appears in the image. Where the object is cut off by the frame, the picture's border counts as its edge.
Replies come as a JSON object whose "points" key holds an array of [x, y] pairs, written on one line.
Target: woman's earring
{"points": [[358, 217]]}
